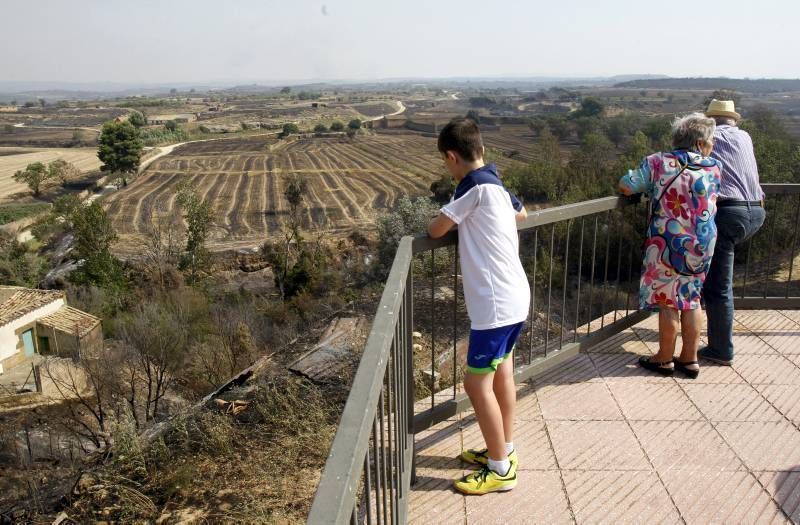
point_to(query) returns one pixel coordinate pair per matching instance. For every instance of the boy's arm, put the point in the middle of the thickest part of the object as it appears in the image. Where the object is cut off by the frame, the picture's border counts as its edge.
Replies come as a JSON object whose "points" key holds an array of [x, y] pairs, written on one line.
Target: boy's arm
{"points": [[440, 225], [519, 208]]}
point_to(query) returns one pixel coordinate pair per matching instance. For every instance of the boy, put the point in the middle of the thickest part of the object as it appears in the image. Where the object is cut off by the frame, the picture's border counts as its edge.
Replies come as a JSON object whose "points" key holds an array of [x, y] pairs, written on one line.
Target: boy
{"points": [[497, 296]]}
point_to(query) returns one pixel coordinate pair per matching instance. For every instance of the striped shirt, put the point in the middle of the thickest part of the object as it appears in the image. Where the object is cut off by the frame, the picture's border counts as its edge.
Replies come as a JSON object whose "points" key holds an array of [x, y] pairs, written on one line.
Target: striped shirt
{"points": [[734, 148]]}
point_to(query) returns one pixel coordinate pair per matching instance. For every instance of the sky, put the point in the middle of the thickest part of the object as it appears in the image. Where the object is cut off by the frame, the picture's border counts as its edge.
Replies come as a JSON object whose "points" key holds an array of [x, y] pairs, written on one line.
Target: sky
{"points": [[272, 41]]}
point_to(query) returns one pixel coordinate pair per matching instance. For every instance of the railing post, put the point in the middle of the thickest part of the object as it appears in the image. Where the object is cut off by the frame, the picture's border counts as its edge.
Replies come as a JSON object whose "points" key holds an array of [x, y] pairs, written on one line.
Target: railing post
{"points": [[409, 374]]}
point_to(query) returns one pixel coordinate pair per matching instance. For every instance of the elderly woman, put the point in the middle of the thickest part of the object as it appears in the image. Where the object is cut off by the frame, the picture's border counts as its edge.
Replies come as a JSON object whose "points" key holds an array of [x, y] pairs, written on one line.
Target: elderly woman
{"points": [[682, 186]]}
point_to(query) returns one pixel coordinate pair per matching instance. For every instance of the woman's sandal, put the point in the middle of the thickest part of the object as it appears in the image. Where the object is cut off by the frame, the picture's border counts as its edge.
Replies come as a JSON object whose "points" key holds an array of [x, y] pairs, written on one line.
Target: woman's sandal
{"points": [[683, 367], [657, 366]]}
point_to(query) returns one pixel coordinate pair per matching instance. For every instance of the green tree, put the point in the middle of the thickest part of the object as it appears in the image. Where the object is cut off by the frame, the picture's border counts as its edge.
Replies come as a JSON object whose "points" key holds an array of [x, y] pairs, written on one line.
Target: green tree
{"points": [[93, 237], [559, 127], [286, 90], [657, 129], [320, 128], [723, 94], [289, 129], [171, 125], [354, 124], [586, 125], [199, 218], [541, 180], [537, 124], [35, 175], [137, 119], [590, 107], [19, 266], [593, 168], [337, 126], [120, 147]]}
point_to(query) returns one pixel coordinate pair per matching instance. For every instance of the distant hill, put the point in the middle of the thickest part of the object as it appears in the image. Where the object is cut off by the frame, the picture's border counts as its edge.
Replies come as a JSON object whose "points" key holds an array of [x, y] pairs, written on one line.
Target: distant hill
{"points": [[747, 85]]}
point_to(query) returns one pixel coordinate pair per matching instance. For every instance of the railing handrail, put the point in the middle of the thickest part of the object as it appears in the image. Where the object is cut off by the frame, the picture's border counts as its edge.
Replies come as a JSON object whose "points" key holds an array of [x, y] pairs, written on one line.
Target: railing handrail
{"points": [[537, 218], [574, 211], [780, 188], [338, 486]]}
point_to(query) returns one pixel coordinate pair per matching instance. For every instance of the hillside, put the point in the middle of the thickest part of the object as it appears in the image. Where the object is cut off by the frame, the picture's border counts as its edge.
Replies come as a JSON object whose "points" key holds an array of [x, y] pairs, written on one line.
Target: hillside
{"points": [[747, 85]]}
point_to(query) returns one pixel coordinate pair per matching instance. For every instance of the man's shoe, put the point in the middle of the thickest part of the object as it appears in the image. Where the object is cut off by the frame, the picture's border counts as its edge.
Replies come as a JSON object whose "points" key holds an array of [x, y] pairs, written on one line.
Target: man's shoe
{"points": [[707, 354], [480, 456], [484, 481]]}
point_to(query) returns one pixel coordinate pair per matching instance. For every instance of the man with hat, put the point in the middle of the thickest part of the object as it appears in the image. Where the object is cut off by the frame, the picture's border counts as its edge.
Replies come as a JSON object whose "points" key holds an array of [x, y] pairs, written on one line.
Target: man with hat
{"points": [[740, 213]]}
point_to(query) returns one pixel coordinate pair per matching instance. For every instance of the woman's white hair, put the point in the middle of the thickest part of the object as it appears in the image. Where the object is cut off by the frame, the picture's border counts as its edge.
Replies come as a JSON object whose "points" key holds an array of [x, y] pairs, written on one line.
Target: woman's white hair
{"points": [[689, 129]]}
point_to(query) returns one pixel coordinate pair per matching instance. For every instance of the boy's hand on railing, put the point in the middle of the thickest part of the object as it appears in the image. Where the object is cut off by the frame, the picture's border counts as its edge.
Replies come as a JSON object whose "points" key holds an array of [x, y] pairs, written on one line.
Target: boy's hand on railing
{"points": [[440, 225]]}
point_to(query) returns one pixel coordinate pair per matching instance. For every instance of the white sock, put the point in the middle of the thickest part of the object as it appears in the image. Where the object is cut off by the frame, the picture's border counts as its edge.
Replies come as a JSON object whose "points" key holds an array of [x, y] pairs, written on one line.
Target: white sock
{"points": [[501, 467], [509, 447]]}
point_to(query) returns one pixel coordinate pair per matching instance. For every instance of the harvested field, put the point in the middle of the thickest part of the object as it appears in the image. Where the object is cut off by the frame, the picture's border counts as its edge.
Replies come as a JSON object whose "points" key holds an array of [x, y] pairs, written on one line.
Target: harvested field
{"points": [[63, 117], [83, 158], [348, 183], [44, 138], [518, 143]]}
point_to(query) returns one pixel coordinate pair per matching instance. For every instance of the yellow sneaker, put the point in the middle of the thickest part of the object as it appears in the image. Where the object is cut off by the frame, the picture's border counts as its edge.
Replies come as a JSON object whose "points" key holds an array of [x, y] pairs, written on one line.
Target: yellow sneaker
{"points": [[484, 481], [480, 456]]}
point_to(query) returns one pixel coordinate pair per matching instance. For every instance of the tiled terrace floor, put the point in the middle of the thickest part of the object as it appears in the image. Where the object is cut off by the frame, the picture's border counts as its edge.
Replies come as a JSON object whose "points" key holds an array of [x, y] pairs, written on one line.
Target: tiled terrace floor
{"points": [[601, 440]]}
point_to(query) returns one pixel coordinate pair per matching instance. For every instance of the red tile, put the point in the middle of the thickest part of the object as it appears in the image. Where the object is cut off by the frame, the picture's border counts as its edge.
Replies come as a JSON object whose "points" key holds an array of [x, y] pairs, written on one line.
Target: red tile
{"points": [[596, 445], [764, 445], [578, 401], [720, 497], [654, 402], [731, 403], [685, 445], [619, 497]]}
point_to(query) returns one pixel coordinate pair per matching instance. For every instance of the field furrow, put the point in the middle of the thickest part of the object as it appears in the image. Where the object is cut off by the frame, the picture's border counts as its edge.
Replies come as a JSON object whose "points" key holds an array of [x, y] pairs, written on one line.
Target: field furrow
{"points": [[255, 203], [144, 216], [238, 211]]}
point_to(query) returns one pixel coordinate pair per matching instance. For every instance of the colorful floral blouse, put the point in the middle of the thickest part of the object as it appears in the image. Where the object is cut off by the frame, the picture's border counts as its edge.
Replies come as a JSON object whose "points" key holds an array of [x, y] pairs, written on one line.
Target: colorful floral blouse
{"points": [[681, 234]]}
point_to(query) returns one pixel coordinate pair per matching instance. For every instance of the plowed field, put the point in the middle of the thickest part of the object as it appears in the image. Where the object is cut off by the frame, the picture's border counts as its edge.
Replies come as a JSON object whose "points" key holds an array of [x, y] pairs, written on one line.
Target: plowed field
{"points": [[348, 184]]}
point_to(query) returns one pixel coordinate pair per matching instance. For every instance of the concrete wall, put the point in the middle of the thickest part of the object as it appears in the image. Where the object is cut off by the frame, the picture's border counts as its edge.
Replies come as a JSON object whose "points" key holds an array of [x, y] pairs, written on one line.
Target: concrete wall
{"points": [[421, 126], [10, 334], [64, 344], [60, 378]]}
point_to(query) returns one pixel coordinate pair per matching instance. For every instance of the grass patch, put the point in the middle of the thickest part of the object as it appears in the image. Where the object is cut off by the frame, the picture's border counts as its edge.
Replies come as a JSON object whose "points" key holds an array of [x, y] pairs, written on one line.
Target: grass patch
{"points": [[14, 212]]}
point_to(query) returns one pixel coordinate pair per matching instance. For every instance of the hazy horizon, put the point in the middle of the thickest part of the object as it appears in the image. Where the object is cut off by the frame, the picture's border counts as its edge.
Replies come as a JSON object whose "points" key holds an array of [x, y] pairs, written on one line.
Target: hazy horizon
{"points": [[271, 42]]}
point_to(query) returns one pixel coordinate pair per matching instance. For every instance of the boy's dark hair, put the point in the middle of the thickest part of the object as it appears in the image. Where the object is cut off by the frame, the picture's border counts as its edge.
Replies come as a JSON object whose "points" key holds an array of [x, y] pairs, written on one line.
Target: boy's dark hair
{"points": [[462, 136]]}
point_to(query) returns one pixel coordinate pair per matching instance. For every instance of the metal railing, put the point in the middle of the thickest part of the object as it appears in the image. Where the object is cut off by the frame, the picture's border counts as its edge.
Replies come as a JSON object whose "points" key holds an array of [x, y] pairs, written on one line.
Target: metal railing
{"points": [[766, 272], [583, 263]]}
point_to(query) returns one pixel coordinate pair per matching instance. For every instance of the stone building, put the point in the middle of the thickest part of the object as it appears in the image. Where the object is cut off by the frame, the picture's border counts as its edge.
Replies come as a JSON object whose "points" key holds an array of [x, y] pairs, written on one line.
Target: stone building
{"points": [[39, 322]]}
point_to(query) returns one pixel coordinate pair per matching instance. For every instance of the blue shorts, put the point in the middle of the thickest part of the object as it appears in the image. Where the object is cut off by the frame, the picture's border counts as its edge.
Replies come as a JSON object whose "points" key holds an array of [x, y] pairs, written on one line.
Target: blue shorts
{"points": [[489, 348]]}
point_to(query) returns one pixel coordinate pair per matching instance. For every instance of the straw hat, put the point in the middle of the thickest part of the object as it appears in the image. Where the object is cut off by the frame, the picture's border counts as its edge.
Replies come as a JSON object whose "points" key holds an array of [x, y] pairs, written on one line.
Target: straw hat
{"points": [[722, 108]]}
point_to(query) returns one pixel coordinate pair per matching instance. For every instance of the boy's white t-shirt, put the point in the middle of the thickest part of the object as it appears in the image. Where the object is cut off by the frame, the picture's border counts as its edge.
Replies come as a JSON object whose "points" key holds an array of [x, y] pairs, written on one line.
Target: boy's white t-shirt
{"points": [[495, 285]]}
